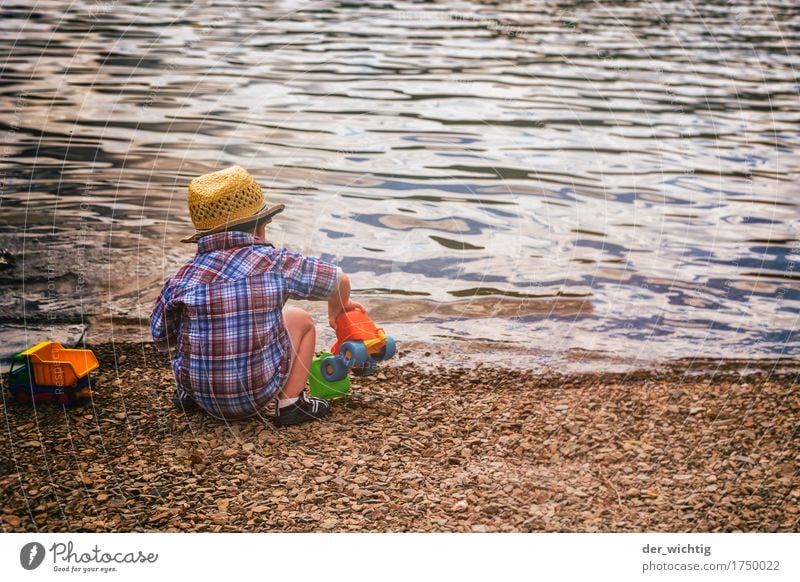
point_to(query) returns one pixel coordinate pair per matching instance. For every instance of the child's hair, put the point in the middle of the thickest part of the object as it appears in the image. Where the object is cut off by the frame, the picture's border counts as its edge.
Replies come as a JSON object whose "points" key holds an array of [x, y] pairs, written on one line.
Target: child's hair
{"points": [[249, 227]]}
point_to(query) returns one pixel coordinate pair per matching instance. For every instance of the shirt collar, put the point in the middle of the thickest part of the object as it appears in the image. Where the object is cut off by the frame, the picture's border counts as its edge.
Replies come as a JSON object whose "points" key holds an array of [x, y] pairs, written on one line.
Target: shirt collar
{"points": [[226, 240]]}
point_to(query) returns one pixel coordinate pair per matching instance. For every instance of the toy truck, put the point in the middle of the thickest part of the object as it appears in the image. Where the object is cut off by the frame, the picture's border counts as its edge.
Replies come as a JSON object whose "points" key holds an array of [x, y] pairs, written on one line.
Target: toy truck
{"points": [[322, 388], [359, 347], [48, 372]]}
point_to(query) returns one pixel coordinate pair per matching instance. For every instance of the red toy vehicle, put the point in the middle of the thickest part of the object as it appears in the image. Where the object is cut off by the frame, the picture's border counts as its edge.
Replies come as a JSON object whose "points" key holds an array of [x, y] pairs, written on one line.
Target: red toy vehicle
{"points": [[360, 346]]}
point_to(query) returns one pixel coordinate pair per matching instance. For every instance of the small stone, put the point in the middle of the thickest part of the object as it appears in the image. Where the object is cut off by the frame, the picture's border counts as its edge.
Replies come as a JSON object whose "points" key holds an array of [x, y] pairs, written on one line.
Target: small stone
{"points": [[460, 506]]}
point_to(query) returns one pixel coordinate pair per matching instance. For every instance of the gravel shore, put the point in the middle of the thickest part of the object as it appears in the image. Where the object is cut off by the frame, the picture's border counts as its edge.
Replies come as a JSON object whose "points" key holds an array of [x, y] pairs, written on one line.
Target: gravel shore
{"points": [[414, 449]]}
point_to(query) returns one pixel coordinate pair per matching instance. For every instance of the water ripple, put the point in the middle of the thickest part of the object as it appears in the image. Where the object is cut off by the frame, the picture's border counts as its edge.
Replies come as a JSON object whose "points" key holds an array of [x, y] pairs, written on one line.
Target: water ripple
{"points": [[462, 160]]}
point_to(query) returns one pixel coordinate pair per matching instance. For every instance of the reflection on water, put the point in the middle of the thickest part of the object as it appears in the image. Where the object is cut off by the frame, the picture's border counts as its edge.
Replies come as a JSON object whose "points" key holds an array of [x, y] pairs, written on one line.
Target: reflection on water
{"points": [[617, 179]]}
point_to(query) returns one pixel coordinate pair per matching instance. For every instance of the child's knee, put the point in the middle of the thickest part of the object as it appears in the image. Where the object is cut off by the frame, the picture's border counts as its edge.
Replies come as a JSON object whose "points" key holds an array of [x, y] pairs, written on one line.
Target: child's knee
{"points": [[299, 319]]}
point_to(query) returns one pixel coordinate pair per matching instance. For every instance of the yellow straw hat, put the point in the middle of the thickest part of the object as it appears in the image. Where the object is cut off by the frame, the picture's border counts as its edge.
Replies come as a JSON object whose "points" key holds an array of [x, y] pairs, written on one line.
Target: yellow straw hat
{"points": [[222, 200]]}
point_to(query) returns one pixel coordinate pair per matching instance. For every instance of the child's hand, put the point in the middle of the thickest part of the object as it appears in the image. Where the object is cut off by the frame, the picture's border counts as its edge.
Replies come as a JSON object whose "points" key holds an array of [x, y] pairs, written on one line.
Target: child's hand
{"points": [[339, 301], [334, 311]]}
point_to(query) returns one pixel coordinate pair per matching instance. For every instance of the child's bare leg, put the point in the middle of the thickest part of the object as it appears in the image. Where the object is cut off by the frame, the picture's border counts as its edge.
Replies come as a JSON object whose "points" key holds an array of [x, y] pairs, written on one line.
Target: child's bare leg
{"points": [[303, 336], [293, 407]]}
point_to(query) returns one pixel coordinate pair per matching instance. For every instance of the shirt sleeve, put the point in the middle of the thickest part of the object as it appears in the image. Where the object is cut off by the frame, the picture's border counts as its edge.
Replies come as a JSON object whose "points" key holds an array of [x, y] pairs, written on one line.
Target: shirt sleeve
{"points": [[163, 322], [308, 277]]}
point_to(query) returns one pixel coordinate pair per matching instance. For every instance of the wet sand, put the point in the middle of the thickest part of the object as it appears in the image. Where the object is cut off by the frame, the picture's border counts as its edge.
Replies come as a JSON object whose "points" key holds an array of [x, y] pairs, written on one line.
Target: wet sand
{"points": [[712, 448]]}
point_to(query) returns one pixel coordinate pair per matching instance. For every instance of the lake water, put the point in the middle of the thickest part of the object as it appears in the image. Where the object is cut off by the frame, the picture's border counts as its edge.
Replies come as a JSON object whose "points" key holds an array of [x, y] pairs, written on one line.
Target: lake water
{"points": [[580, 184]]}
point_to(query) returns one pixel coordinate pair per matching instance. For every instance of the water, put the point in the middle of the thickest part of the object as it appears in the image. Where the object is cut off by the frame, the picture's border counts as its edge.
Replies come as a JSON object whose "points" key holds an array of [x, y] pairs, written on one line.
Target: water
{"points": [[542, 184]]}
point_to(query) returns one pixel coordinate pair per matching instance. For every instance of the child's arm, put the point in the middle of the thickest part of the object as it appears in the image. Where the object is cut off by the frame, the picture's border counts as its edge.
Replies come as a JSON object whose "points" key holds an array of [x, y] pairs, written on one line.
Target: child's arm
{"points": [[163, 324], [313, 278], [339, 301]]}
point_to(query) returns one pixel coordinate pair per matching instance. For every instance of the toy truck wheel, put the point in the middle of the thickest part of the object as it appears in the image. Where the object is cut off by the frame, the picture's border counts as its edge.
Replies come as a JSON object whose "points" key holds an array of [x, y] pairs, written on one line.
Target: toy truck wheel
{"points": [[353, 353], [333, 369], [389, 350]]}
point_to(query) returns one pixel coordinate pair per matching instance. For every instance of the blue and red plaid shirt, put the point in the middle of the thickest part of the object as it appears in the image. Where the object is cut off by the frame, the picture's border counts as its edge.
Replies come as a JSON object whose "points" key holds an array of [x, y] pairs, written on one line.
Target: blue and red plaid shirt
{"points": [[222, 312]]}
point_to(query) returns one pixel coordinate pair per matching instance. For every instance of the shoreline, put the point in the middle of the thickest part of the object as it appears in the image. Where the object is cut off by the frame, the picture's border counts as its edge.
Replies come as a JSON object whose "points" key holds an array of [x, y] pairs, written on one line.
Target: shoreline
{"points": [[452, 353], [708, 447]]}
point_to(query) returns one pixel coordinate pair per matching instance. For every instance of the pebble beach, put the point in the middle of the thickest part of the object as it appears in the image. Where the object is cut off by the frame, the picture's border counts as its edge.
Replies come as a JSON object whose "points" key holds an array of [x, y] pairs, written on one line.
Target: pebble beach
{"points": [[696, 447]]}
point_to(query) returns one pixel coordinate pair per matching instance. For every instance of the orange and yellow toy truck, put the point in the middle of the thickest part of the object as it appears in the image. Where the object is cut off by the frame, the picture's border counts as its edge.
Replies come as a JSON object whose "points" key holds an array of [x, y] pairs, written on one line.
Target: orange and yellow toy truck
{"points": [[359, 347], [48, 372]]}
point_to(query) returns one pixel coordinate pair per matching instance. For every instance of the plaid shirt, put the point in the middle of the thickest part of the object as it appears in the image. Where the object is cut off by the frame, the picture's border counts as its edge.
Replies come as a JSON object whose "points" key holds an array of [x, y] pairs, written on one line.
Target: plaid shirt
{"points": [[222, 312]]}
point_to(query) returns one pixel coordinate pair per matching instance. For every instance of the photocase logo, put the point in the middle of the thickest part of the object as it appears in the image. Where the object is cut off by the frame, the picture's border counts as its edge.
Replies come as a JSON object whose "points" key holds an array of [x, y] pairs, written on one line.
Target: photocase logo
{"points": [[31, 555]]}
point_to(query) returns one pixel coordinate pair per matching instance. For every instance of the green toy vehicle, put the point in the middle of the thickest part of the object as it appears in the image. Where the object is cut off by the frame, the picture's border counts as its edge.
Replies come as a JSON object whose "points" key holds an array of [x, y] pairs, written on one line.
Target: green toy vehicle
{"points": [[322, 388]]}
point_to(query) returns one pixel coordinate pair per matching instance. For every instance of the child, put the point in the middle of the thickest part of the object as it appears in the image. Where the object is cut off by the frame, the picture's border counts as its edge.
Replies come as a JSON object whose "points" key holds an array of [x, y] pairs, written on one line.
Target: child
{"points": [[236, 346]]}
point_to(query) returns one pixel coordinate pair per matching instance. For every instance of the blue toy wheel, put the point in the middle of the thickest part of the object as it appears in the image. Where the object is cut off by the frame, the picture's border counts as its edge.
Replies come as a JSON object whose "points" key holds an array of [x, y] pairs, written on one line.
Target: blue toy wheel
{"points": [[353, 353], [333, 369], [389, 350]]}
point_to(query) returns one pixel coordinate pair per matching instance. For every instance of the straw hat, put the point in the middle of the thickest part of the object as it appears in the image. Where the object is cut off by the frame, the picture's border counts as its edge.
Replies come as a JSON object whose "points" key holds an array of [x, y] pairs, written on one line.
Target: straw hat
{"points": [[223, 200]]}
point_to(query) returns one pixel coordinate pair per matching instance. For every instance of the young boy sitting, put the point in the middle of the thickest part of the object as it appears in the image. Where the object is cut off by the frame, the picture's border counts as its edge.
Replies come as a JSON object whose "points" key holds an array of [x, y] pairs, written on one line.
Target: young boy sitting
{"points": [[236, 346]]}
